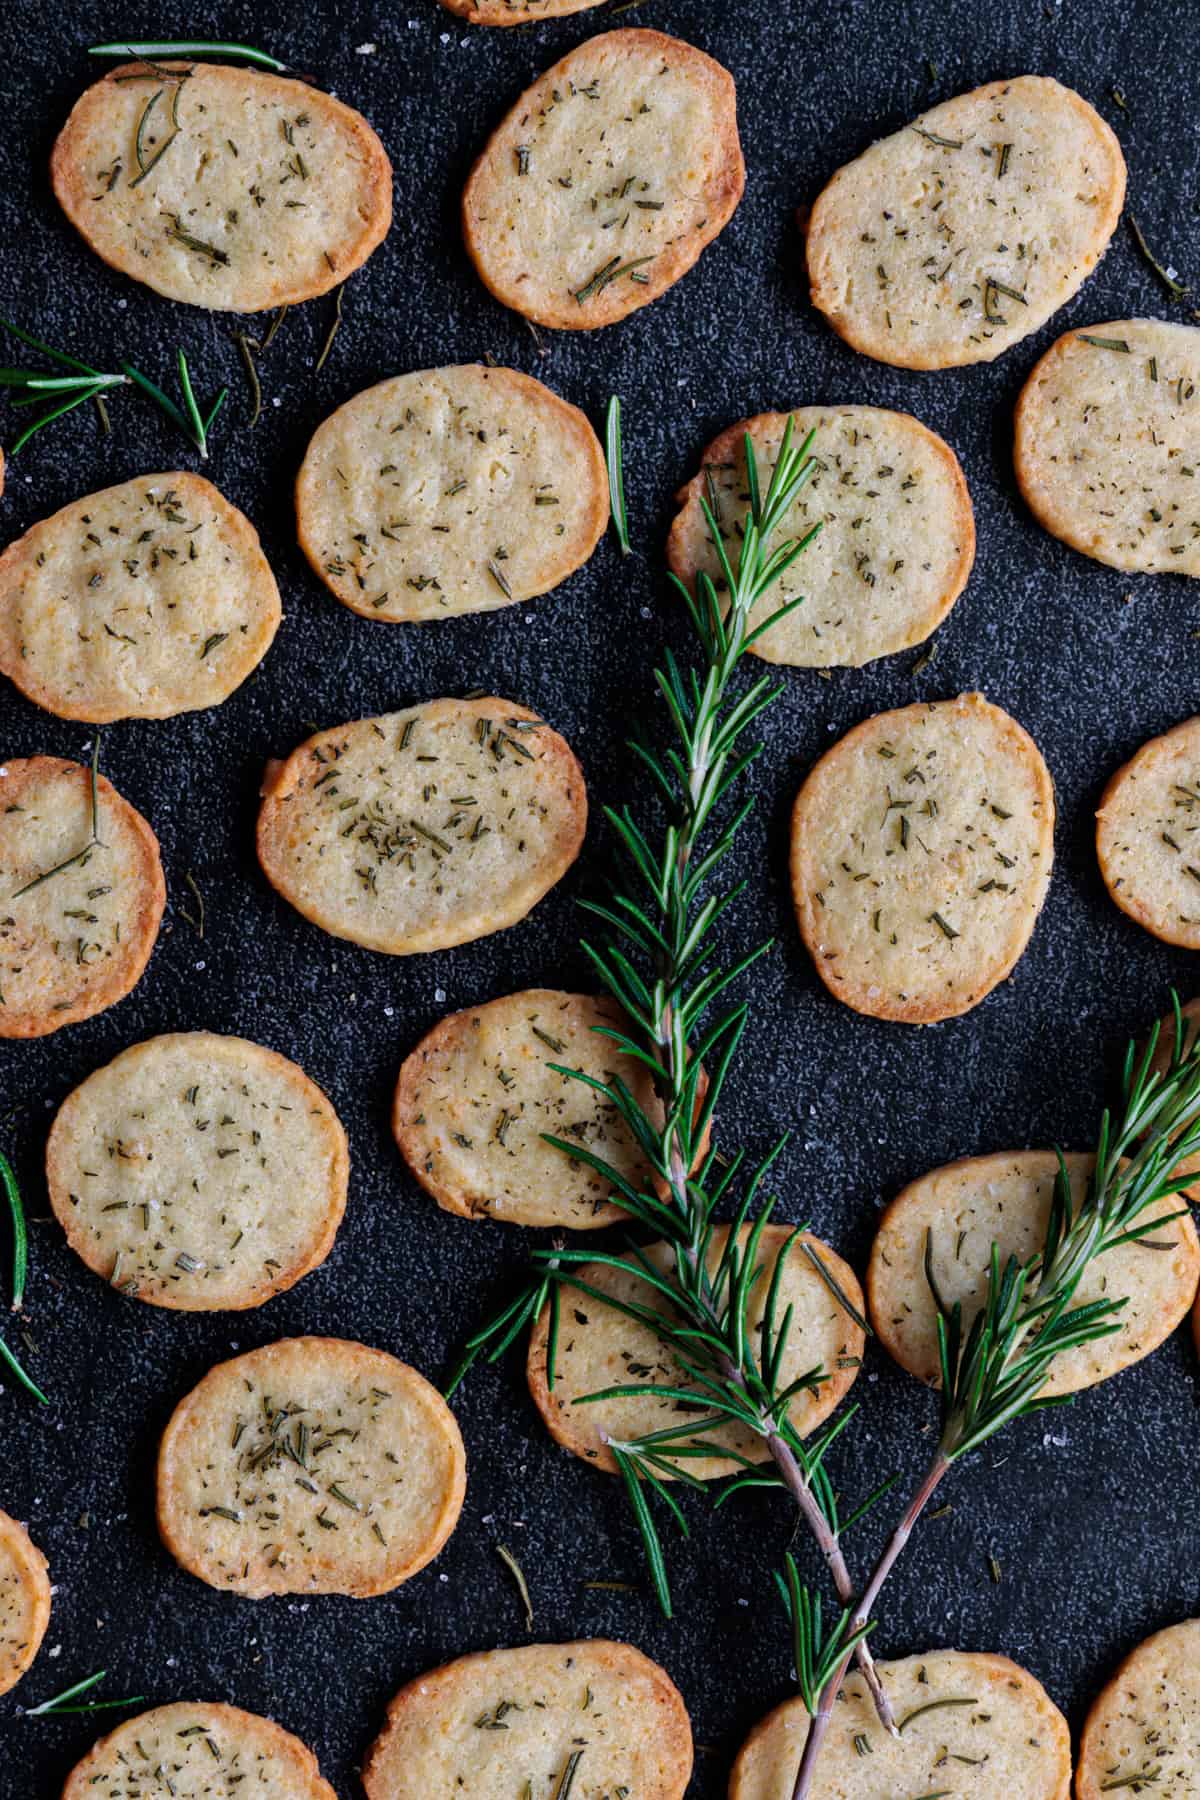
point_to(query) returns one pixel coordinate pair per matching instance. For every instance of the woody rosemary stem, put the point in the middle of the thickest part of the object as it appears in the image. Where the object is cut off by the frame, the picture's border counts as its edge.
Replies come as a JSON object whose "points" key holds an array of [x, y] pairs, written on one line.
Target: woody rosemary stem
{"points": [[668, 1042], [819, 1723]]}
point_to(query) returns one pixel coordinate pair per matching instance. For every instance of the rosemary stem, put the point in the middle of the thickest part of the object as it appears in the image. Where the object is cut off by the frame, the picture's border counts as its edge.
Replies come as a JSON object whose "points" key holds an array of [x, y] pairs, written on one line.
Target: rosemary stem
{"points": [[819, 1724], [700, 769]]}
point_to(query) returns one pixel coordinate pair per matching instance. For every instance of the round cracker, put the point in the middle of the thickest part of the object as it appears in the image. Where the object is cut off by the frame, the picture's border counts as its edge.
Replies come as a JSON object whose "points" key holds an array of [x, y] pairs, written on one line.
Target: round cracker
{"points": [[1146, 1723], [312, 1466], [456, 490], [139, 602], [599, 1348], [183, 1748], [1107, 444], [24, 1601], [961, 1210], [1147, 827], [423, 829], [922, 844], [199, 1172], [897, 537], [214, 221], [953, 239], [607, 179], [478, 1092], [78, 917], [492, 1724], [516, 12], [1010, 1740]]}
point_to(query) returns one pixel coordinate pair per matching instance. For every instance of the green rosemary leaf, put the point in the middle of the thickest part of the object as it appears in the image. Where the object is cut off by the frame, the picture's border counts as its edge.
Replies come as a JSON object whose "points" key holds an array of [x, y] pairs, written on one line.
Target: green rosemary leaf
{"points": [[26, 1381], [334, 328], [20, 1235], [616, 473], [60, 1703], [518, 1574], [154, 49]]}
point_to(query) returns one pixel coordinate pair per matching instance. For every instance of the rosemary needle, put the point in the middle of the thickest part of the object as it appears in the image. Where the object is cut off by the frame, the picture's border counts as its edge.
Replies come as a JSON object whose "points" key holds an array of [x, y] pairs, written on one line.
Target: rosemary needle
{"points": [[20, 1235], [58, 1704], [94, 841], [334, 328], [26, 1381], [201, 47], [518, 1574], [616, 473]]}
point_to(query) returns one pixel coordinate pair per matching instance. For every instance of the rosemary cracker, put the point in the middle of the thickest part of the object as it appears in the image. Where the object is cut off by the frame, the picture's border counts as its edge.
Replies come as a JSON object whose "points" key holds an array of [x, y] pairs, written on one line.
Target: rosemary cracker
{"points": [[24, 1601], [607, 179], [591, 1718], [141, 601], [1107, 444], [313, 1466], [897, 536], [196, 1750], [1146, 827], [455, 490], [1143, 1732], [478, 1092], [599, 1347], [223, 187], [953, 239], [922, 845], [977, 1721], [516, 12], [423, 829], [199, 1172], [81, 895], [961, 1210]]}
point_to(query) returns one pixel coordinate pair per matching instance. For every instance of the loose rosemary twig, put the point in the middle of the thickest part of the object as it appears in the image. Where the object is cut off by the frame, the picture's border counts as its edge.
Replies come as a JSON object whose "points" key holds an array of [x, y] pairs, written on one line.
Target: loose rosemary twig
{"points": [[62, 394], [657, 960], [60, 1704], [996, 1370], [19, 1269]]}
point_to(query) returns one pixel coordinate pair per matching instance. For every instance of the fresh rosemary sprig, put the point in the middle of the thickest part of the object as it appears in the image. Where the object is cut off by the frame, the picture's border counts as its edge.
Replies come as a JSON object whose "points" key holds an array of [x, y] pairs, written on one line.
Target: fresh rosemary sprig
{"points": [[152, 50], [657, 960], [616, 473], [996, 1371], [61, 394], [60, 1704]]}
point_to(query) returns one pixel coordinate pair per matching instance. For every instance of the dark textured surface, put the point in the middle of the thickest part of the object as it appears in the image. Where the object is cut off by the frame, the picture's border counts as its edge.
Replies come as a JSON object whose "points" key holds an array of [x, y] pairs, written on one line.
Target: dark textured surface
{"points": [[1091, 1515]]}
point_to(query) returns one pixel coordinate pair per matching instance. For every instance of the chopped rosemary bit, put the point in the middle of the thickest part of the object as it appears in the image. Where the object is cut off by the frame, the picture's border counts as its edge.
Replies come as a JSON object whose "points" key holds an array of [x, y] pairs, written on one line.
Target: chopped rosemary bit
{"points": [[518, 1574]]}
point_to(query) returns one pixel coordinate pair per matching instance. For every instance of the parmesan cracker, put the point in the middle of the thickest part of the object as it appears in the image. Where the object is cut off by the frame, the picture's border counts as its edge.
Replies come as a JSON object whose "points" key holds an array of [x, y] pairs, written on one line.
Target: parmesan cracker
{"points": [[477, 1094], [599, 1348], [141, 601], [516, 12], [1148, 836], [607, 179], [961, 1210], [24, 1601], [896, 543], [222, 187], [951, 240], [978, 1720], [423, 829], [313, 1466], [493, 1724], [200, 1742], [199, 1172], [79, 912], [1107, 445], [456, 490], [1143, 1732], [922, 845]]}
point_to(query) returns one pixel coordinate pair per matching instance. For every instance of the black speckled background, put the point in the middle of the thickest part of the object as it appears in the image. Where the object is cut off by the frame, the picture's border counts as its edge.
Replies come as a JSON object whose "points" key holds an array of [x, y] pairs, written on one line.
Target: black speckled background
{"points": [[1091, 1515]]}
